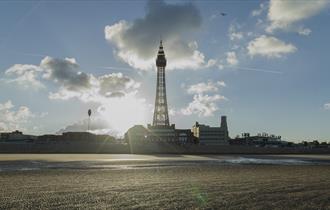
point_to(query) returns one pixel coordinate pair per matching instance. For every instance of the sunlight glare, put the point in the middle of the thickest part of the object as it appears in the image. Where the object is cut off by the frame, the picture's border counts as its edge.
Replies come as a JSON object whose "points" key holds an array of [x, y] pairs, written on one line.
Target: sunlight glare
{"points": [[122, 113]]}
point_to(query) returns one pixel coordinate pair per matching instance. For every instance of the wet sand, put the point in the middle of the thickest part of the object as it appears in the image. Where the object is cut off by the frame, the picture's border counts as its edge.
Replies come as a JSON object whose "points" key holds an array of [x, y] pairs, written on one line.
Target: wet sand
{"points": [[164, 182]]}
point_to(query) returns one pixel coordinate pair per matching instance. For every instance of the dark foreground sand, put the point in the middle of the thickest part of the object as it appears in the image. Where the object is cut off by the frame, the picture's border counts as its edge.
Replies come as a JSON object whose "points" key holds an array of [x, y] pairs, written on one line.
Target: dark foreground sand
{"points": [[199, 186]]}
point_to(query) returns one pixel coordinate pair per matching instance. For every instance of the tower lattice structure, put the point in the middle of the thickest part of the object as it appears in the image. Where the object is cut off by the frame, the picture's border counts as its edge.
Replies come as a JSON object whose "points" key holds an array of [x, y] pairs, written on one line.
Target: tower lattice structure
{"points": [[161, 110]]}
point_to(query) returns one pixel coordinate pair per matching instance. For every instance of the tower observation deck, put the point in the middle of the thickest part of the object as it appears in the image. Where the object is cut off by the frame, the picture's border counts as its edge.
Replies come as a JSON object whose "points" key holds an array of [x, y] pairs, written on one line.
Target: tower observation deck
{"points": [[160, 118]]}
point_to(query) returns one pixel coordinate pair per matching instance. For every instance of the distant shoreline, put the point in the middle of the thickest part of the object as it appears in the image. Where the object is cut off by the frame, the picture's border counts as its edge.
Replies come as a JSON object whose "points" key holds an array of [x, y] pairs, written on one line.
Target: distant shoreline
{"points": [[33, 162], [152, 148]]}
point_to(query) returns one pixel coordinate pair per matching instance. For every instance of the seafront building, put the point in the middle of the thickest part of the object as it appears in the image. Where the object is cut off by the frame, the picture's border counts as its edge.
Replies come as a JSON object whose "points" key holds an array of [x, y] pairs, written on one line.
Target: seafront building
{"points": [[208, 135], [16, 136], [76, 137], [261, 139], [141, 134]]}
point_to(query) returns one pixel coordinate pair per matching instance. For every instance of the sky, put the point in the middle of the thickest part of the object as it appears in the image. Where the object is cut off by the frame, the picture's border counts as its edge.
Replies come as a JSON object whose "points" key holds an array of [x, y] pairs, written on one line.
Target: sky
{"points": [[263, 64]]}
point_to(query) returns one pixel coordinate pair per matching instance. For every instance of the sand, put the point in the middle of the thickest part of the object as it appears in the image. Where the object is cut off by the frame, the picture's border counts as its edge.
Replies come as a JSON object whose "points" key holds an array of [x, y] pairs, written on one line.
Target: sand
{"points": [[199, 187], [134, 183]]}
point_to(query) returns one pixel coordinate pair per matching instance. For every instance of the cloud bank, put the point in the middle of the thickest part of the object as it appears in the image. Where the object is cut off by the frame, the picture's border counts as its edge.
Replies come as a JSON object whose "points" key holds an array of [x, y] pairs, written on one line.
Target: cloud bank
{"points": [[137, 42], [115, 93], [25, 75], [71, 81], [13, 119], [284, 14]]}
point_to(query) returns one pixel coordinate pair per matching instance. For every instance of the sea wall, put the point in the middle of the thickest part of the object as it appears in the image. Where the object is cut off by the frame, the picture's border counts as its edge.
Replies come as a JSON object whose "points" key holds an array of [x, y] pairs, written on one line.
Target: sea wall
{"points": [[64, 148]]}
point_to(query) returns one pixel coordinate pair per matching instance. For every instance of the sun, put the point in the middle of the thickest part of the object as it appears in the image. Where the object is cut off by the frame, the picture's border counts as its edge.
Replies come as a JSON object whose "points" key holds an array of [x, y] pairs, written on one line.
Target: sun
{"points": [[124, 112]]}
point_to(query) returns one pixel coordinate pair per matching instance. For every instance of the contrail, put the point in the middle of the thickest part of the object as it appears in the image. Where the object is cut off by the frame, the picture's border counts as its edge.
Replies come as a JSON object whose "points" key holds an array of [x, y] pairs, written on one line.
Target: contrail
{"points": [[258, 70]]}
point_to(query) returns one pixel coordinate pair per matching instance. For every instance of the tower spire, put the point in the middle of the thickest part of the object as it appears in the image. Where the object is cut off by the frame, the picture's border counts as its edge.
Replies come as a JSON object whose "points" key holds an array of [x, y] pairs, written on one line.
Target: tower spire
{"points": [[161, 110], [161, 49]]}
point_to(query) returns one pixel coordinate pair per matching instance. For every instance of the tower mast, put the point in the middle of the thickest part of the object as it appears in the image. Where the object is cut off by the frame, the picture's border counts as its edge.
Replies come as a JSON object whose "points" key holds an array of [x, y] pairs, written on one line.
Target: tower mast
{"points": [[160, 118]]}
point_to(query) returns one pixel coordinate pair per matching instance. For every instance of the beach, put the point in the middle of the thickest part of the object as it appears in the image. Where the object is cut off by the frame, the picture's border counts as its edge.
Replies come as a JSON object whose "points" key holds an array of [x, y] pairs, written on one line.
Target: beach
{"points": [[164, 182]]}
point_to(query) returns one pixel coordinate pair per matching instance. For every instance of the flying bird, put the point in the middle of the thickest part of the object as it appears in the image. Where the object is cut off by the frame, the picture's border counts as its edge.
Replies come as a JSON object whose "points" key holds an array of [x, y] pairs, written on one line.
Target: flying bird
{"points": [[223, 14]]}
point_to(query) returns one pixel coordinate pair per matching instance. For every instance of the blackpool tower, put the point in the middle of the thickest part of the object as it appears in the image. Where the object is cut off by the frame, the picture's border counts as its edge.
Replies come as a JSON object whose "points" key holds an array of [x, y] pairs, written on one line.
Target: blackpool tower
{"points": [[161, 111]]}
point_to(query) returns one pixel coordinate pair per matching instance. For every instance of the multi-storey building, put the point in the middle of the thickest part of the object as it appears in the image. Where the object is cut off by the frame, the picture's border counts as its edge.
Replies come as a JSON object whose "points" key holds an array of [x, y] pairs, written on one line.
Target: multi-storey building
{"points": [[208, 135]]}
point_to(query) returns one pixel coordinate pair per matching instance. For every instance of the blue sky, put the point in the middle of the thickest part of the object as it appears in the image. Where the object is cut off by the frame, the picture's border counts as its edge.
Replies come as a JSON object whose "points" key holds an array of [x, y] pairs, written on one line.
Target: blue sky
{"points": [[264, 64]]}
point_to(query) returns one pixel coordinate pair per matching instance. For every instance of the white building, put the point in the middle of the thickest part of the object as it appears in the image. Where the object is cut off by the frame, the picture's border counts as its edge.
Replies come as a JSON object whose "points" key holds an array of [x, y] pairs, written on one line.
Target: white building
{"points": [[212, 135]]}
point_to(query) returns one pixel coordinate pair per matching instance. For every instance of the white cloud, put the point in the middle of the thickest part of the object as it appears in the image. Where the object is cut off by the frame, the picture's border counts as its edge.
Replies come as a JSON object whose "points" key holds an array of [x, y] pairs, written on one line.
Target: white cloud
{"points": [[270, 47], [172, 112], [211, 63], [203, 105], [304, 31], [114, 116], [231, 58], [236, 36], [97, 125], [137, 42], [327, 106], [260, 10], [5, 106], [116, 84], [117, 114], [283, 14], [205, 87], [221, 83], [11, 119], [72, 82], [221, 66], [25, 75], [233, 33], [115, 93]]}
